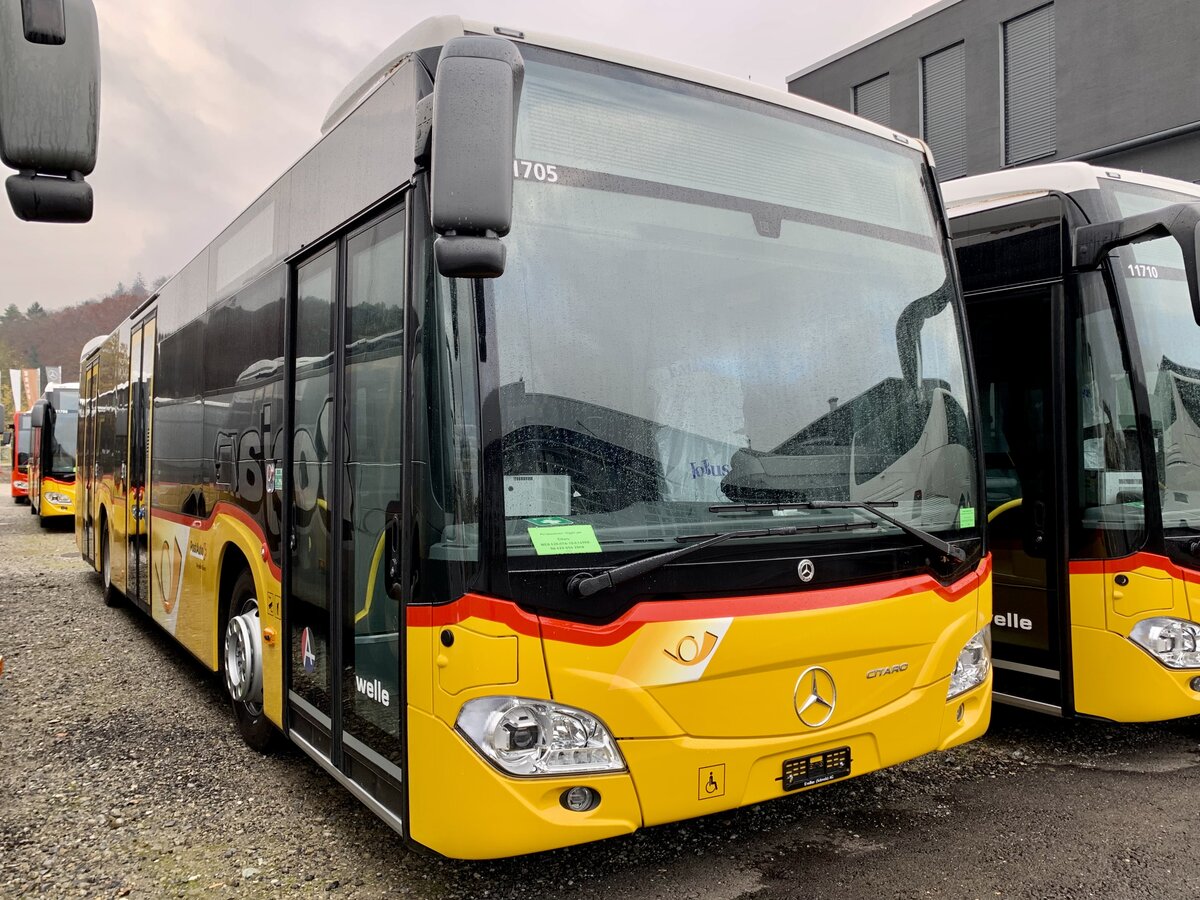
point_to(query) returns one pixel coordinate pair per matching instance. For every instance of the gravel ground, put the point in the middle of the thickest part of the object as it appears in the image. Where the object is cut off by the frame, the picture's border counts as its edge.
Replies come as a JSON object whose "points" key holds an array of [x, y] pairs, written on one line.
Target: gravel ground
{"points": [[121, 775]]}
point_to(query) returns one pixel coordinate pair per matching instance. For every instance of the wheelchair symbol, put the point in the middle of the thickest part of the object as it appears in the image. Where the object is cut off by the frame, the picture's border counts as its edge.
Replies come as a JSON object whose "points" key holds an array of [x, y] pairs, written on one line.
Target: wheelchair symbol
{"points": [[711, 782]]}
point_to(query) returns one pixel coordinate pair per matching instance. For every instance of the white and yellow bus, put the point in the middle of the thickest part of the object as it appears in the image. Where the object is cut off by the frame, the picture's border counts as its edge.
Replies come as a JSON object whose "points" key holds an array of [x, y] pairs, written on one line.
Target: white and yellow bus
{"points": [[53, 421], [540, 495], [1082, 299]]}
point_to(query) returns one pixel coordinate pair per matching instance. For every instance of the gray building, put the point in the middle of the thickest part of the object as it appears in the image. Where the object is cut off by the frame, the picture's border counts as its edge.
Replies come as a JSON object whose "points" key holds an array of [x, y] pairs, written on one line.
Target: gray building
{"points": [[997, 83]]}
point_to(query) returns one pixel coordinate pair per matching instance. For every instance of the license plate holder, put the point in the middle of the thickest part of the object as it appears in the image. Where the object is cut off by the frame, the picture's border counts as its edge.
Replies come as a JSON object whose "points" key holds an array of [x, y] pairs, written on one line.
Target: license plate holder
{"points": [[816, 768]]}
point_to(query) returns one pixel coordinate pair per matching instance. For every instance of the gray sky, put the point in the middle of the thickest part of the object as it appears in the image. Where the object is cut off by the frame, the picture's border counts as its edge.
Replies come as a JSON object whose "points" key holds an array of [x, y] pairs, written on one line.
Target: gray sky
{"points": [[205, 103]]}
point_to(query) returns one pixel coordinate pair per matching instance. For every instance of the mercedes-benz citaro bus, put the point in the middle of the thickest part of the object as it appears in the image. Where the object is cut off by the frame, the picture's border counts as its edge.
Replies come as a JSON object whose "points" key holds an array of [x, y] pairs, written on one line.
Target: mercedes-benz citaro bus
{"points": [[1083, 307], [543, 497], [53, 428], [20, 458]]}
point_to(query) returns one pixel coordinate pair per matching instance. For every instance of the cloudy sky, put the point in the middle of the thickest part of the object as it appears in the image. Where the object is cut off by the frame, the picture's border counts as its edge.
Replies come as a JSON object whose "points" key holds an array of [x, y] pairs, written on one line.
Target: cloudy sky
{"points": [[205, 103]]}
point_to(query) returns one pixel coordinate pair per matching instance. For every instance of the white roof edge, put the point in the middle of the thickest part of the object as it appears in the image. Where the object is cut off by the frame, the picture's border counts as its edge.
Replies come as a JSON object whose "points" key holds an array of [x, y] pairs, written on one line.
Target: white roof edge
{"points": [[435, 31], [93, 345], [442, 28], [968, 207], [878, 36], [431, 32], [1008, 185]]}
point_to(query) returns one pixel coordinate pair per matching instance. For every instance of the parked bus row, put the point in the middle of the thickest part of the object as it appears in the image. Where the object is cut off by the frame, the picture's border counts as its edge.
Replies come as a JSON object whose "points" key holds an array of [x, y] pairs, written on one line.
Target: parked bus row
{"points": [[43, 453], [572, 442]]}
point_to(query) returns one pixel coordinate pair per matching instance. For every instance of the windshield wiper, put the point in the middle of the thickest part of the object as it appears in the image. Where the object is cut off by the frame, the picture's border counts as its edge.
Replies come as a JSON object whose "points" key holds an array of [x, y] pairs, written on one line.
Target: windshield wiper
{"points": [[584, 584], [929, 540]]}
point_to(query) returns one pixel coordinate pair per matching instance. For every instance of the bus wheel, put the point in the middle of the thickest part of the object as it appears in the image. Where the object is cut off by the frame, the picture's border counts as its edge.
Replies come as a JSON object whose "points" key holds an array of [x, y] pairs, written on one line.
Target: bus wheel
{"points": [[111, 597], [241, 666]]}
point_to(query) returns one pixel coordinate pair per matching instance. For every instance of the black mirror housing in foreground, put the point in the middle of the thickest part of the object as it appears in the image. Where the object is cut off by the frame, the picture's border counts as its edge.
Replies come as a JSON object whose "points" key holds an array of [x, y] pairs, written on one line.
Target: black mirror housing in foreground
{"points": [[476, 93], [49, 106], [1180, 221], [47, 198]]}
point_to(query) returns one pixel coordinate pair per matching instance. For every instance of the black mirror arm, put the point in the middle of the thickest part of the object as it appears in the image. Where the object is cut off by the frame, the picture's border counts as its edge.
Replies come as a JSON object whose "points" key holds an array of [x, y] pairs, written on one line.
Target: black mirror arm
{"points": [[1092, 243]]}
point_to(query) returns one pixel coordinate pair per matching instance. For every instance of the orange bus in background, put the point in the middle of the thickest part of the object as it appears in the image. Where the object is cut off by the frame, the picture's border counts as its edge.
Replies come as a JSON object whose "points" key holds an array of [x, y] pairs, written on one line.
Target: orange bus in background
{"points": [[20, 457]]}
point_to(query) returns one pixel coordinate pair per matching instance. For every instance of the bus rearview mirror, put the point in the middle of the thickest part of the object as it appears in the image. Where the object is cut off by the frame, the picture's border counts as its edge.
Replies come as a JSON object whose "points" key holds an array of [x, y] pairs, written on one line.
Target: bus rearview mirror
{"points": [[475, 97], [1180, 221], [49, 106], [37, 415]]}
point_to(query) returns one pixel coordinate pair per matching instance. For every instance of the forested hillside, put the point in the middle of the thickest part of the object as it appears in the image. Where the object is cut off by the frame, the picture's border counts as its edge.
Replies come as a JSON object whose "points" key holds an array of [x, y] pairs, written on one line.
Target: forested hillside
{"points": [[35, 337]]}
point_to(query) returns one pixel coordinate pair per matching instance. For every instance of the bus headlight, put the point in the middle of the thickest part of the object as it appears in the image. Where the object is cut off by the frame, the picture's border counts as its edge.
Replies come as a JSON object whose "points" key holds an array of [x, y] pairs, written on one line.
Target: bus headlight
{"points": [[1173, 642], [537, 737], [973, 664], [20, 484], [58, 499]]}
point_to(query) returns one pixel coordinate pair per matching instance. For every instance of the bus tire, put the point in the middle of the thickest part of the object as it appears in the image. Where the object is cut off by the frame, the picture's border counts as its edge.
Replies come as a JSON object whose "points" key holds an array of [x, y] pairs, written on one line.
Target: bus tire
{"points": [[111, 596], [256, 729]]}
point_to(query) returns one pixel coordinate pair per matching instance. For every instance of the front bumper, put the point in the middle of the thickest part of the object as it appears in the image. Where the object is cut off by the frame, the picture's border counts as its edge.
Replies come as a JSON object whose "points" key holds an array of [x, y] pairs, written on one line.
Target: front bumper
{"points": [[460, 806]]}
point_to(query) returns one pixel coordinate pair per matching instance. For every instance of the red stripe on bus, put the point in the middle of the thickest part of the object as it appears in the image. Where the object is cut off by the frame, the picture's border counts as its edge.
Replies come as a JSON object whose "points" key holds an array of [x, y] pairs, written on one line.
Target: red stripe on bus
{"points": [[229, 509], [507, 613], [1143, 560]]}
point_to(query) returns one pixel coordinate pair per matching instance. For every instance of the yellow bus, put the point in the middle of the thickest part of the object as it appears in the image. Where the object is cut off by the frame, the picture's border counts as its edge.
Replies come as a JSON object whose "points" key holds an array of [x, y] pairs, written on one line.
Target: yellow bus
{"points": [[569, 442], [1083, 307], [52, 433]]}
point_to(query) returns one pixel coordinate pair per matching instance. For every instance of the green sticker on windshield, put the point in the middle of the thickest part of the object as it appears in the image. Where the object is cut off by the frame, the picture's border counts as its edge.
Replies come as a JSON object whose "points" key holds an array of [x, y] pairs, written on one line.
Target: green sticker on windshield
{"points": [[564, 539], [966, 517], [550, 520]]}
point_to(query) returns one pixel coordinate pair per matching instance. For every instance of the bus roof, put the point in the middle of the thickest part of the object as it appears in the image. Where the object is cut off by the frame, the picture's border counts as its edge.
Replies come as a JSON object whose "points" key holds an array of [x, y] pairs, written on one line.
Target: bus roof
{"points": [[435, 31], [358, 160], [971, 194], [92, 346]]}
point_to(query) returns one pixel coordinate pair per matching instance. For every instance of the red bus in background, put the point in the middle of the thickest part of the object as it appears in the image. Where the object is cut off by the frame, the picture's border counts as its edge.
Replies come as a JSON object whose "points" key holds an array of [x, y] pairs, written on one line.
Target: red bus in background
{"points": [[20, 457]]}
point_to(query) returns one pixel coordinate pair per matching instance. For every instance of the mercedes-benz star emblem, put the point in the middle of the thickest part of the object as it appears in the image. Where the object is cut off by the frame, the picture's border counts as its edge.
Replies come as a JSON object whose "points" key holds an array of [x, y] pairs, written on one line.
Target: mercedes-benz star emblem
{"points": [[806, 570], [816, 696]]}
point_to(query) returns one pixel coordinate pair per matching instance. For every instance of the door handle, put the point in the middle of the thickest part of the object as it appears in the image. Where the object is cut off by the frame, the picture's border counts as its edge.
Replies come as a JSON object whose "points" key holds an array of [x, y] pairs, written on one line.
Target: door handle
{"points": [[393, 526], [1037, 530]]}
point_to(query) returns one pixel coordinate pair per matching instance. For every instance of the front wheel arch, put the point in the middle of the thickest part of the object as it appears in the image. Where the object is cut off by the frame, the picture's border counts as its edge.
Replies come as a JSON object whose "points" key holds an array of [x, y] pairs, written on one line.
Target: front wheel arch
{"points": [[237, 591]]}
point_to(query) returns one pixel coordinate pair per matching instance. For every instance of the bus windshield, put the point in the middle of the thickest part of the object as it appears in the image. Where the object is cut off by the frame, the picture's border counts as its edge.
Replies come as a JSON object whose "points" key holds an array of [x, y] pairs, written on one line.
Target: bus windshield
{"points": [[62, 455], [23, 437], [1169, 346], [714, 300]]}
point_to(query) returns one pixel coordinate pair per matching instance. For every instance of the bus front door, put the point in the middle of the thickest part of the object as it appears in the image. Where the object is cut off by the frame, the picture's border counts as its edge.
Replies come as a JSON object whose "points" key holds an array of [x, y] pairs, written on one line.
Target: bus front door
{"points": [[137, 499], [346, 334], [1013, 340]]}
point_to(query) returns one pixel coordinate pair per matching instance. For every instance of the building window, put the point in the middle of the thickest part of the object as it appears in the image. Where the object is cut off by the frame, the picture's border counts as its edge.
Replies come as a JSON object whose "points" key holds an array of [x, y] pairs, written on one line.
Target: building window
{"points": [[1029, 87], [944, 109], [873, 100]]}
